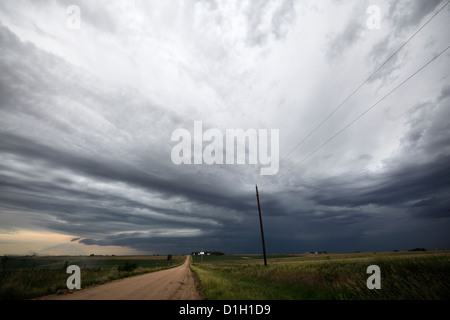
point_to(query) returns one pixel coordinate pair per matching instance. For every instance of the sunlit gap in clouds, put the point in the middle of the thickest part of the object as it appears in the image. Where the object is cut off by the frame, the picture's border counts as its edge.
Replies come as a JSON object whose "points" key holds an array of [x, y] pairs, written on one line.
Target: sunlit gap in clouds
{"points": [[28, 242]]}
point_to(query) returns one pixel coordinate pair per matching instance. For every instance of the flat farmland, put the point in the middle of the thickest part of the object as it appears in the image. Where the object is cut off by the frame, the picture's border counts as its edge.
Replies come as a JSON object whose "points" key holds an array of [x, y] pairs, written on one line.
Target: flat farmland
{"points": [[404, 276], [31, 277], [56, 262]]}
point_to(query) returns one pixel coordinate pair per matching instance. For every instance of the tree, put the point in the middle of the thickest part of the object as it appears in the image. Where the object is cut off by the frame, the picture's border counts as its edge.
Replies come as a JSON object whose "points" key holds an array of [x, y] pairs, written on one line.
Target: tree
{"points": [[4, 260], [128, 266]]}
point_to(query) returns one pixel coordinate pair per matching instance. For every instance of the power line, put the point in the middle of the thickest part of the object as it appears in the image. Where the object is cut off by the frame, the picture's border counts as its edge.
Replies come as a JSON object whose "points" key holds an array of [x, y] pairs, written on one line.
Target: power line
{"points": [[356, 90], [362, 114], [367, 80], [359, 87]]}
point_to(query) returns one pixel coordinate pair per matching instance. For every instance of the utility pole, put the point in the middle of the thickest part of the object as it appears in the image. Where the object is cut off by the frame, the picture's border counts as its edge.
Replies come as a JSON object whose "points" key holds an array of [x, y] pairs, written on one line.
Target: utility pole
{"points": [[261, 225]]}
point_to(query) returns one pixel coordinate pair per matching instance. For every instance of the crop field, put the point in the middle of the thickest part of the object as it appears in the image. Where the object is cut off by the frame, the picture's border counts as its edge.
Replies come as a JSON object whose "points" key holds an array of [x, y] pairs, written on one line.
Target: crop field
{"points": [[404, 275], [31, 277]]}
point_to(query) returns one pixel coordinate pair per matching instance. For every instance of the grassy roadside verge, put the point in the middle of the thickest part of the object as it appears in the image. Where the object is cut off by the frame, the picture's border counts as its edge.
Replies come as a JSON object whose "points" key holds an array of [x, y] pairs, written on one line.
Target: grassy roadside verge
{"points": [[411, 277], [28, 283]]}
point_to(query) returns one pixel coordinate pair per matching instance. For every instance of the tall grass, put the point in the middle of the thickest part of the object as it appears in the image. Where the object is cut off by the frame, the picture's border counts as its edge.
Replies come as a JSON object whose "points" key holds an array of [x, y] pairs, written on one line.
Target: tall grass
{"points": [[25, 281], [402, 277]]}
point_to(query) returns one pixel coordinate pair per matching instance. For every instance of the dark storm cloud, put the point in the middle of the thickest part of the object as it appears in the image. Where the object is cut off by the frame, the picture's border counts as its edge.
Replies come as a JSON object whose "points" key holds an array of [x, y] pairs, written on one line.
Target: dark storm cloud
{"points": [[115, 171], [397, 187], [229, 244], [82, 212], [76, 210], [421, 169], [44, 91], [413, 184], [90, 158]]}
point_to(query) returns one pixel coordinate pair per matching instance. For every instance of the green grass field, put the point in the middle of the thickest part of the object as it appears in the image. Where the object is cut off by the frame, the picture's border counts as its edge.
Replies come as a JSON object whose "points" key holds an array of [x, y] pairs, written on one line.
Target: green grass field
{"points": [[404, 275], [31, 277]]}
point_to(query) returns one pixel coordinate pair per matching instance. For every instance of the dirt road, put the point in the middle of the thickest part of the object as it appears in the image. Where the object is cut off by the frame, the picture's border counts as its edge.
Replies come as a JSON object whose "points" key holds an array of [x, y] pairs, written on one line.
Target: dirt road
{"points": [[170, 284]]}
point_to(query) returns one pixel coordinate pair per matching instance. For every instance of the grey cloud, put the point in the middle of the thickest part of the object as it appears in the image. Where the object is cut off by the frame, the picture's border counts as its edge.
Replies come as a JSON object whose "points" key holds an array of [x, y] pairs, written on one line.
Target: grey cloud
{"points": [[283, 17], [111, 171], [445, 93], [210, 4], [395, 187], [414, 183], [108, 172], [408, 13], [380, 52], [78, 210], [421, 170], [280, 20], [339, 43], [92, 159], [254, 15], [402, 16], [428, 132]]}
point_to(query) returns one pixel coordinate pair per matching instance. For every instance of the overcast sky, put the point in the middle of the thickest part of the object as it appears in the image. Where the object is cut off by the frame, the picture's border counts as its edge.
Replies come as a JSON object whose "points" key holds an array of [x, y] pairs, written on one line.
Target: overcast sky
{"points": [[88, 104]]}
